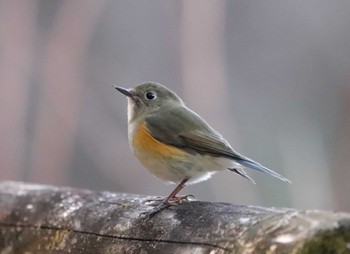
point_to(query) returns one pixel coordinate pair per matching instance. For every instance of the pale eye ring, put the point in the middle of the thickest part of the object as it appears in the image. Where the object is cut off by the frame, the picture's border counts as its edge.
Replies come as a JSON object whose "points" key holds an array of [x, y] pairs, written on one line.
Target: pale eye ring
{"points": [[150, 95]]}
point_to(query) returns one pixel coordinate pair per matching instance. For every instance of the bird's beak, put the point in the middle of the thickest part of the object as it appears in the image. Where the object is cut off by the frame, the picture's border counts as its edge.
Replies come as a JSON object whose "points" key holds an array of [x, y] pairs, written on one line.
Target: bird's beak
{"points": [[124, 91]]}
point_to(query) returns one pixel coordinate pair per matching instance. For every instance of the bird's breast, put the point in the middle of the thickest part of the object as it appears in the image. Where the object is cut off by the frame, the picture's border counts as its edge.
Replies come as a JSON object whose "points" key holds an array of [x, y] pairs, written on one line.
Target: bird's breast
{"points": [[164, 161], [144, 144]]}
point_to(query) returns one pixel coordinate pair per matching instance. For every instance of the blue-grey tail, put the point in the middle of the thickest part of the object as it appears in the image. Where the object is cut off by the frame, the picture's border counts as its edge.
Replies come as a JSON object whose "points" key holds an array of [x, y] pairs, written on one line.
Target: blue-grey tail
{"points": [[259, 167]]}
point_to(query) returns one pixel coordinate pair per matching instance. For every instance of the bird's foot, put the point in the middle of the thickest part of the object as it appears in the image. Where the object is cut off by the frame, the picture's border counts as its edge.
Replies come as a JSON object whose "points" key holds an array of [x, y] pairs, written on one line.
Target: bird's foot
{"points": [[180, 199], [172, 201], [157, 209], [164, 204]]}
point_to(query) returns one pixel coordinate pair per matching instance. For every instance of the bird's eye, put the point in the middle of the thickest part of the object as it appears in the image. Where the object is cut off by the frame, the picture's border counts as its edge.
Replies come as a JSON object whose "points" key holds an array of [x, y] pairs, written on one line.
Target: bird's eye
{"points": [[150, 95]]}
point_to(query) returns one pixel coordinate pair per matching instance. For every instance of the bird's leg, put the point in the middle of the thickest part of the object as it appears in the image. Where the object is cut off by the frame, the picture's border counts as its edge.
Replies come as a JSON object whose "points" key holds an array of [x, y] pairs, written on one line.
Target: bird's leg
{"points": [[173, 199], [166, 202]]}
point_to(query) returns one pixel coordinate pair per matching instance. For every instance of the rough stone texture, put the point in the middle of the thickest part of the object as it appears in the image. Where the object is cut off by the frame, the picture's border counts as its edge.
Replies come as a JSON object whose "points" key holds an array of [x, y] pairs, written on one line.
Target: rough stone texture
{"points": [[47, 219]]}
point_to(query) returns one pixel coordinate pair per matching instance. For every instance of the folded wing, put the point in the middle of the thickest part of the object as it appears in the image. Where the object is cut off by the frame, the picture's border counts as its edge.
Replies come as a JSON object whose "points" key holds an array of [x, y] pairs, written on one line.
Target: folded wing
{"points": [[181, 127]]}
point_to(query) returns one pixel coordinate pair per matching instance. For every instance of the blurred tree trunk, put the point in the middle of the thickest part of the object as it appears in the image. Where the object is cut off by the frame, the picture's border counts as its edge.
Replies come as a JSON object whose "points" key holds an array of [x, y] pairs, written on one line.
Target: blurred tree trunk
{"points": [[203, 55], [341, 169], [61, 88], [17, 27]]}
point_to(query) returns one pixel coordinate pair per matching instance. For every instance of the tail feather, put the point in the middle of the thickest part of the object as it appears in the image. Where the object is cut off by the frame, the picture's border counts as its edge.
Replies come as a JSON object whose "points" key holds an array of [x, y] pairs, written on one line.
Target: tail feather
{"points": [[259, 167], [242, 173]]}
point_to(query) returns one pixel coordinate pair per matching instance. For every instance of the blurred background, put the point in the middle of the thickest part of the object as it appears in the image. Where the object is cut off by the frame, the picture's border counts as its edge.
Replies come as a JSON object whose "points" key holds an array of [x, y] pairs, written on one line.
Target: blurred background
{"points": [[272, 76]]}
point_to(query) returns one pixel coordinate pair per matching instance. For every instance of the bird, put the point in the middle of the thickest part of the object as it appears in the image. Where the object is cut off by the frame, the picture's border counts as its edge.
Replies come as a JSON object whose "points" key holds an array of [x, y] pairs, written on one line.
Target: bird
{"points": [[177, 145]]}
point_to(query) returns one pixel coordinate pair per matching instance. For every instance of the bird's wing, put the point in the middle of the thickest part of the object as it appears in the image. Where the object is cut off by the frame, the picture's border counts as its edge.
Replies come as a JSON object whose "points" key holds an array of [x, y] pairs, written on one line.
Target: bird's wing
{"points": [[183, 128]]}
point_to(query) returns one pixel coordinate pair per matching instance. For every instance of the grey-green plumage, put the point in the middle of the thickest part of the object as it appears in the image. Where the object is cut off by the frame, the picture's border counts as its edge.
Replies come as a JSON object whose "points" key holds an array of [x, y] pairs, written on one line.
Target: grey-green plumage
{"points": [[170, 126], [177, 145]]}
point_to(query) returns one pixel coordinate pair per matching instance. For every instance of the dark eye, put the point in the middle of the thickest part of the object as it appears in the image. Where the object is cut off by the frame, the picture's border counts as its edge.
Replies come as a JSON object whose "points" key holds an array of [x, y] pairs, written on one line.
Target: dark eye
{"points": [[150, 95]]}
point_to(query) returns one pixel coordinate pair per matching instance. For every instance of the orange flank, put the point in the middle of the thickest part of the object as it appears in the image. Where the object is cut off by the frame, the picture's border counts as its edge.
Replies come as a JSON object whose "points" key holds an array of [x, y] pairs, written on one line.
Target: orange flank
{"points": [[145, 143]]}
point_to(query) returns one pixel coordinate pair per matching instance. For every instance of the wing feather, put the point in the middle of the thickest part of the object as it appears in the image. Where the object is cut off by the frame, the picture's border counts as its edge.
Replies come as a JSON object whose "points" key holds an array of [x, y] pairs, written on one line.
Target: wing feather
{"points": [[183, 128]]}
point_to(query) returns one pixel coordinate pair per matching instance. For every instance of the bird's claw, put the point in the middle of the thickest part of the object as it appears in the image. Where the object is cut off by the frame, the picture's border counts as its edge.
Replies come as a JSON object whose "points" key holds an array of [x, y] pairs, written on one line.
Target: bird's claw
{"points": [[165, 204], [151, 213], [173, 201], [180, 199]]}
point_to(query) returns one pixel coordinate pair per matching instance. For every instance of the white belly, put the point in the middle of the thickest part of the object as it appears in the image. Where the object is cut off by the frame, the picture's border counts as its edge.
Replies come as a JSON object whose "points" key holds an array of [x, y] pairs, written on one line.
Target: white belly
{"points": [[196, 168]]}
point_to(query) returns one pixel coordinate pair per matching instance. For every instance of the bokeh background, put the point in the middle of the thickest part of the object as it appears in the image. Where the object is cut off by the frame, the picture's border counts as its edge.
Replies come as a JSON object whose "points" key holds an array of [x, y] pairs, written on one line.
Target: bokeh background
{"points": [[272, 76]]}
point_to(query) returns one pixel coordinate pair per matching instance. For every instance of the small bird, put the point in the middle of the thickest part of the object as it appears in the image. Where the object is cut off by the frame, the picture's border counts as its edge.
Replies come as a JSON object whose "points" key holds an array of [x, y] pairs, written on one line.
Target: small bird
{"points": [[175, 144]]}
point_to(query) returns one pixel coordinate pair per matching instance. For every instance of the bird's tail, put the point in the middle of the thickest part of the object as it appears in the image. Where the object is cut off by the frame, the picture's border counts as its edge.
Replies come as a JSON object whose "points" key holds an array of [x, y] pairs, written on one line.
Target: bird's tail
{"points": [[259, 167], [242, 173]]}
